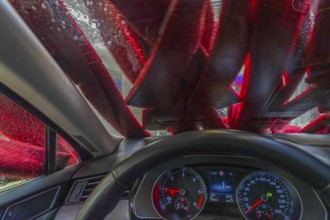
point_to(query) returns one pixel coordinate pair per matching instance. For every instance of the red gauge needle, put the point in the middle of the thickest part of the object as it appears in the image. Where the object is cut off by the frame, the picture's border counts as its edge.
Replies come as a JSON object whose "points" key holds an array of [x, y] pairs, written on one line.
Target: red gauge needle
{"points": [[200, 201], [173, 191], [255, 204]]}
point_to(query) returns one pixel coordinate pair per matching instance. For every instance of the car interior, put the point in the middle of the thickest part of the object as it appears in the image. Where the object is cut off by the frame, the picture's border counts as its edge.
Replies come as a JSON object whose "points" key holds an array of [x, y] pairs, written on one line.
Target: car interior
{"points": [[164, 109]]}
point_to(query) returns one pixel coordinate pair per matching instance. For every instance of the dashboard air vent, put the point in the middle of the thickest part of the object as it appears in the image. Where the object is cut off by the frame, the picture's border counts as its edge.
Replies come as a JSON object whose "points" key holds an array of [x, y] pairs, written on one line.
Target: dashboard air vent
{"points": [[82, 189]]}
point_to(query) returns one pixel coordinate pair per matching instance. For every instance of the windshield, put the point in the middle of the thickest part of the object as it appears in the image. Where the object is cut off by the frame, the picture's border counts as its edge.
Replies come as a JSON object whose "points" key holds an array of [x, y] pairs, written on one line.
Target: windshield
{"points": [[170, 66]]}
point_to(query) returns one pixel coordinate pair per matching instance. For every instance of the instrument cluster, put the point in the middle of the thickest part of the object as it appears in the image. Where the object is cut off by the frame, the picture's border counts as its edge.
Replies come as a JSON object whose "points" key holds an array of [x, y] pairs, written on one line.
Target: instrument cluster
{"points": [[184, 193], [226, 187]]}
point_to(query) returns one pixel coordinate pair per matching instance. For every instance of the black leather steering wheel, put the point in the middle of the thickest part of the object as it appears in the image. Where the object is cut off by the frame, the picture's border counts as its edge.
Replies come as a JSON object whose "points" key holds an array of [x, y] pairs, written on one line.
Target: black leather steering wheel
{"points": [[229, 142]]}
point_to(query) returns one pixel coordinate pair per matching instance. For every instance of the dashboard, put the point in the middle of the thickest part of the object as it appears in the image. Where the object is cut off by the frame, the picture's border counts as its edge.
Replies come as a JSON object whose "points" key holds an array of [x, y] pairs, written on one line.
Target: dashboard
{"points": [[204, 186], [209, 187]]}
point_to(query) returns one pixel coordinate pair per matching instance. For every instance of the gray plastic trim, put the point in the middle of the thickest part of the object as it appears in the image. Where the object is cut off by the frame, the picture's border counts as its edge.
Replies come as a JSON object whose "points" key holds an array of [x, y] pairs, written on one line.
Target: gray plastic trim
{"points": [[28, 69], [50, 207], [324, 208], [121, 212]]}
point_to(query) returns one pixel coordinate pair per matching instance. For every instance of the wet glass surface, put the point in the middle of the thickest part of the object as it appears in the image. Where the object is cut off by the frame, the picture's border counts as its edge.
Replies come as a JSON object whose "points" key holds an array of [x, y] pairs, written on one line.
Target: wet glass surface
{"points": [[22, 145], [66, 155], [180, 65]]}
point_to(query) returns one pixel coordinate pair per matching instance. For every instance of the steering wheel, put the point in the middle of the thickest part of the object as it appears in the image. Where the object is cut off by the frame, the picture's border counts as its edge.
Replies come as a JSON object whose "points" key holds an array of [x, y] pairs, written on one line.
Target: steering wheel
{"points": [[229, 142]]}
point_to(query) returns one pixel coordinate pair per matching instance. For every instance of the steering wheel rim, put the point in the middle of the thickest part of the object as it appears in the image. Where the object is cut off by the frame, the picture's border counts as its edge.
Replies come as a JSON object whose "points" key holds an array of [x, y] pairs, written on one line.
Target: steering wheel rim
{"points": [[231, 142]]}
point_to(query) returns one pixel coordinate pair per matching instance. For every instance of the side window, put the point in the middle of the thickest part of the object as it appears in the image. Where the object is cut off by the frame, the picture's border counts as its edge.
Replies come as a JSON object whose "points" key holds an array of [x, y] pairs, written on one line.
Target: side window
{"points": [[23, 146], [65, 154]]}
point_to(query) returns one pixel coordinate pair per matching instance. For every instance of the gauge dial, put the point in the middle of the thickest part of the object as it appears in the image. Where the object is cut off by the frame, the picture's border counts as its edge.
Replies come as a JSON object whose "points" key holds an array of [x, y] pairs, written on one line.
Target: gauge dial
{"points": [[179, 193], [266, 195]]}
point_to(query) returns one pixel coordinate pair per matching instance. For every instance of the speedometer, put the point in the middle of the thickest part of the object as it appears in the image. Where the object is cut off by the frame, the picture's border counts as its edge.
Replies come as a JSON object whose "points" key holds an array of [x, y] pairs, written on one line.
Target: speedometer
{"points": [[265, 195], [179, 193]]}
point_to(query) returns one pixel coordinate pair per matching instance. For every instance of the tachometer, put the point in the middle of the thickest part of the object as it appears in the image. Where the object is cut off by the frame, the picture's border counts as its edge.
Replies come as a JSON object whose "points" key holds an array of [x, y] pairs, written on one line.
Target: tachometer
{"points": [[265, 195], [179, 193]]}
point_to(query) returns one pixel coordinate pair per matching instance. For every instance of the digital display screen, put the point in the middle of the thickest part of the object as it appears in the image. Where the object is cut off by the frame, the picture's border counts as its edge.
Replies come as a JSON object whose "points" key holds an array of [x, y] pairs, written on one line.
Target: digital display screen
{"points": [[221, 188]]}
